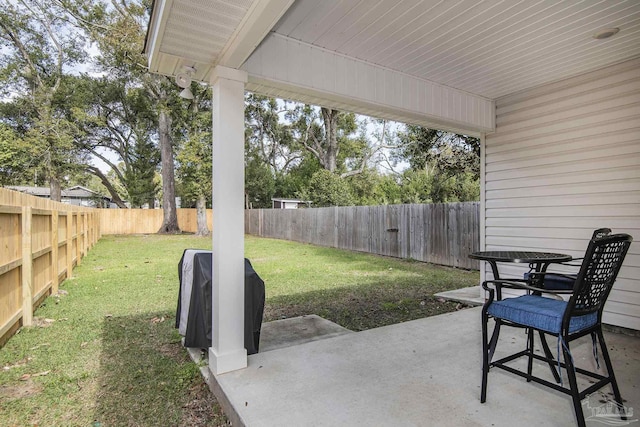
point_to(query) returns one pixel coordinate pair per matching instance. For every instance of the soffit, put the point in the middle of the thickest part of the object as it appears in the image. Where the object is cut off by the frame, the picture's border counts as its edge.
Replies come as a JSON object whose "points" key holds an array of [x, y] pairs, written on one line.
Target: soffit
{"points": [[192, 33], [488, 48]]}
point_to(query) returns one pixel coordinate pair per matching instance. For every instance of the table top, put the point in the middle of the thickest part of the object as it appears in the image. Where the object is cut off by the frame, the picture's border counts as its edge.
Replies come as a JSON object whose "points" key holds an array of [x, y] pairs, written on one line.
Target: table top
{"points": [[519, 256]]}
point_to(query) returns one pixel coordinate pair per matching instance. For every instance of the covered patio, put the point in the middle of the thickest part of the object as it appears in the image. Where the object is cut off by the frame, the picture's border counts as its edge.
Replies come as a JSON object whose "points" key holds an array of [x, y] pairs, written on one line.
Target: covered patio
{"points": [[423, 372], [552, 89]]}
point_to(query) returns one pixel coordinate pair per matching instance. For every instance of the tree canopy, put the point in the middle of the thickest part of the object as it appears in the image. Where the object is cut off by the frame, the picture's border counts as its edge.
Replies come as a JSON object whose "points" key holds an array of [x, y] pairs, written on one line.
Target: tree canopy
{"points": [[79, 106]]}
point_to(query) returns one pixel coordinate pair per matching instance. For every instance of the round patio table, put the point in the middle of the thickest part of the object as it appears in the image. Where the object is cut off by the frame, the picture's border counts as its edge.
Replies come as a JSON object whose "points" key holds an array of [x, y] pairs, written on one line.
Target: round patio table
{"points": [[538, 261]]}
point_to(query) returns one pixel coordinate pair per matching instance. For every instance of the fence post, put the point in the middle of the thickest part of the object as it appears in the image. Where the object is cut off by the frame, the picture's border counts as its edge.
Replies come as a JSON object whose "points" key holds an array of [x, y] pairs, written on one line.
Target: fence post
{"points": [[85, 238], [78, 240], [54, 252], [69, 244], [27, 267], [99, 228], [94, 232]]}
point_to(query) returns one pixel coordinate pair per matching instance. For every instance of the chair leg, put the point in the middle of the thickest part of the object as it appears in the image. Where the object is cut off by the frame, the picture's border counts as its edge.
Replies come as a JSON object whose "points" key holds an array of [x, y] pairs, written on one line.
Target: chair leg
{"points": [[550, 356], [485, 357], [530, 353], [573, 384], [612, 377]]}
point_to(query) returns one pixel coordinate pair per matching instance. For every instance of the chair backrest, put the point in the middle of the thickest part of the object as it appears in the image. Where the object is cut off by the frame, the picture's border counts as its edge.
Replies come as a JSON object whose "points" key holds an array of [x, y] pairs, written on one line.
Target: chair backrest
{"points": [[600, 233], [598, 272]]}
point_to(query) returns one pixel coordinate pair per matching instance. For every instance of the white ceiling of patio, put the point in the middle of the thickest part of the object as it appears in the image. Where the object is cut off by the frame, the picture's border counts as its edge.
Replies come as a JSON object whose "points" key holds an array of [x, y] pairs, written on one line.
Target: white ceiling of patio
{"points": [[487, 48]]}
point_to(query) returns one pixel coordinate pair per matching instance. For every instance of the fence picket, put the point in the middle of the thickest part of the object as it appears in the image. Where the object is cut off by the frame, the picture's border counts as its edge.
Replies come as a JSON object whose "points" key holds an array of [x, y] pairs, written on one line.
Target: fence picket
{"points": [[439, 233], [31, 263]]}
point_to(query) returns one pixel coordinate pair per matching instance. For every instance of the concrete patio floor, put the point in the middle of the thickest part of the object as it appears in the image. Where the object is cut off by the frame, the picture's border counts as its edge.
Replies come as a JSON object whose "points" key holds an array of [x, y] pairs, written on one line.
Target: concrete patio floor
{"points": [[420, 373]]}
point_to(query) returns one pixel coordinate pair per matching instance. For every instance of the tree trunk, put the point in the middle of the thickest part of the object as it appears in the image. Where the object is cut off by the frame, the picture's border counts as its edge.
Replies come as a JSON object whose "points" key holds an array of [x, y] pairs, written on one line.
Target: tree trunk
{"points": [[55, 190], [115, 197], [201, 216], [331, 135], [170, 217]]}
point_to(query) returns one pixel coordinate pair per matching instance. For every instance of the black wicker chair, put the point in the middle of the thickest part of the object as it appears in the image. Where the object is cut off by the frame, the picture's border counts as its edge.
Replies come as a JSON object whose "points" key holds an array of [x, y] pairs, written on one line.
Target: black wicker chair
{"points": [[580, 316], [561, 281]]}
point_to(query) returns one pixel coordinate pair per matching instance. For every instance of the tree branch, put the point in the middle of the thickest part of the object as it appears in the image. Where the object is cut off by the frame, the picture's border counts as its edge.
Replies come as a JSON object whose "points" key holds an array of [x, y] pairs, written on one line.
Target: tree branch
{"points": [[115, 198], [23, 52]]}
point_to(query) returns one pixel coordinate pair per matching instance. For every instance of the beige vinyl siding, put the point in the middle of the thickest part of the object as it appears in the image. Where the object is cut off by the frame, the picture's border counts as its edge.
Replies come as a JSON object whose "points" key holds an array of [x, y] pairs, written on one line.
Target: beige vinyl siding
{"points": [[564, 160]]}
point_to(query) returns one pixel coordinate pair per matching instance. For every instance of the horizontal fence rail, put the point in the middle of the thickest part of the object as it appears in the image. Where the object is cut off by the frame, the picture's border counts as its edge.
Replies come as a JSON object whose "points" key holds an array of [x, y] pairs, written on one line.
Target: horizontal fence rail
{"points": [[442, 233], [42, 240]]}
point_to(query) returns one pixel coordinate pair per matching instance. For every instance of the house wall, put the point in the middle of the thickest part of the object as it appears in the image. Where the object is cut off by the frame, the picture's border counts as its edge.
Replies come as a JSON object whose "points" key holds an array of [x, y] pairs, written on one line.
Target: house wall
{"points": [[564, 160]]}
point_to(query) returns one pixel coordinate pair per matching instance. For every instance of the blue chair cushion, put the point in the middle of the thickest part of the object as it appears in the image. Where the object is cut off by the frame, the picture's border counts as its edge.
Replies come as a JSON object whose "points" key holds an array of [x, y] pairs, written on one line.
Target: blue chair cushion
{"points": [[540, 313], [555, 282]]}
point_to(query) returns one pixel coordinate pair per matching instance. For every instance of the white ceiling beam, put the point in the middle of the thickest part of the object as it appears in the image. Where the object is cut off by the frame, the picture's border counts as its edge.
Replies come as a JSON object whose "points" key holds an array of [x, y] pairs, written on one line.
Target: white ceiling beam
{"points": [[259, 20], [288, 68]]}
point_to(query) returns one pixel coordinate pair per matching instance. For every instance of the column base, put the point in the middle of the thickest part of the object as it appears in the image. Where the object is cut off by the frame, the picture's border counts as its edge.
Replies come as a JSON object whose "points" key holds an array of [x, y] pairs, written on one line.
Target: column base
{"points": [[227, 362]]}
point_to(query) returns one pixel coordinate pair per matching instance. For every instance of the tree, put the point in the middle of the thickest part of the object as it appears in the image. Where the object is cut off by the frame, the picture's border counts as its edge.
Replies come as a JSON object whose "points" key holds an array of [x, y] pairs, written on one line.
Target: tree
{"points": [[447, 162], [118, 122], [322, 133], [118, 28], [259, 182], [37, 47], [267, 137], [272, 155], [195, 158], [327, 189], [139, 176], [14, 155]]}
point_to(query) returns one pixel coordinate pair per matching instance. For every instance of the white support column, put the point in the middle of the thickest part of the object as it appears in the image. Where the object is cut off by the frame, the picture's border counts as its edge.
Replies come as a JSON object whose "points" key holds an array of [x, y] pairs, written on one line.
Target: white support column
{"points": [[227, 352]]}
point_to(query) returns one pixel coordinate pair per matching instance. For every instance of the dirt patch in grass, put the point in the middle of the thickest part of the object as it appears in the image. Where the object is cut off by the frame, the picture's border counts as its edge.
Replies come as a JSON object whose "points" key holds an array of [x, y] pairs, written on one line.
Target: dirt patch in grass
{"points": [[172, 350], [202, 408], [20, 390], [362, 308]]}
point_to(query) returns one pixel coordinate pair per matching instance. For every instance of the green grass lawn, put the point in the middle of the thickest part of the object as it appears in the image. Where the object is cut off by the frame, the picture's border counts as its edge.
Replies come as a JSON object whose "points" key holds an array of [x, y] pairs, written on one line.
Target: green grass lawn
{"points": [[105, 353]]}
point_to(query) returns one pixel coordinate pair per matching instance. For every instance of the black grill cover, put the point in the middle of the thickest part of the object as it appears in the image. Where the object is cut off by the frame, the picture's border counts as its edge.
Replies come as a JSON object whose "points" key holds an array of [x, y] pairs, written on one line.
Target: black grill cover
{"points": [[198, 327]]}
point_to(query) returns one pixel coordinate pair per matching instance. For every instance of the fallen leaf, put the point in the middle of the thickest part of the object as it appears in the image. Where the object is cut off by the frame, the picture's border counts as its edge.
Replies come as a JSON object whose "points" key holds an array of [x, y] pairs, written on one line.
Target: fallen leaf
{"points": [[157, 319], [108, 315], [84, 344], [25, 377]]}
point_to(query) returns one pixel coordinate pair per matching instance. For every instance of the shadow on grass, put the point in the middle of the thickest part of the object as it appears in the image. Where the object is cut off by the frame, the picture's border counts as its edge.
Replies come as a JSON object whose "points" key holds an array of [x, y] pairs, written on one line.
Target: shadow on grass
{"points": [[361, 307], [147, 379]]}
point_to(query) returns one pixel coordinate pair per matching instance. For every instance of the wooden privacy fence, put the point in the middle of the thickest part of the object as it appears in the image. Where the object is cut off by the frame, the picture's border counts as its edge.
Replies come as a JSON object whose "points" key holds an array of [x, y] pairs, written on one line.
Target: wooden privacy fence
{"points": [[41, 241], [145, 221], [438, 233]]}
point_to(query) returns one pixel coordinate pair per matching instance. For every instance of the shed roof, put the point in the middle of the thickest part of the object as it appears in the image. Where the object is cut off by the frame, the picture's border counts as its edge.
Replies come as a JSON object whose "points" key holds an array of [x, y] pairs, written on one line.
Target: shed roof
{"points": [[75, 192]]}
